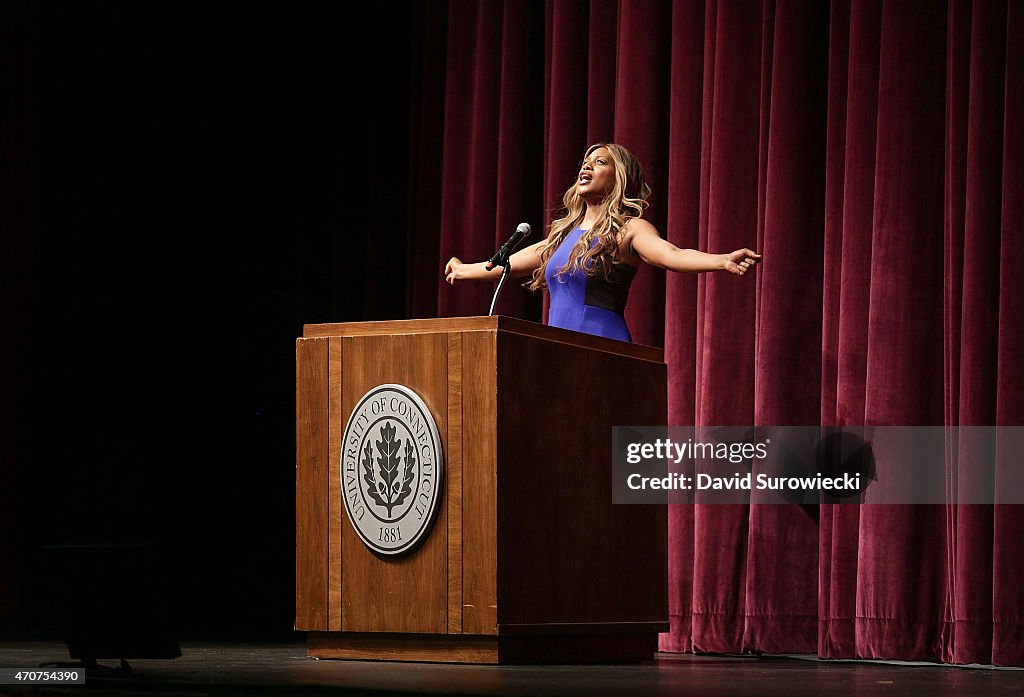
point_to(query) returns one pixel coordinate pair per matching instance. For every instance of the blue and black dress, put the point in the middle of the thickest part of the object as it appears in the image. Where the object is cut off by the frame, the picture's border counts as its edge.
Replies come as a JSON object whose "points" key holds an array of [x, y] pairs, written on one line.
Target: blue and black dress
{"points": [[589, 304]]}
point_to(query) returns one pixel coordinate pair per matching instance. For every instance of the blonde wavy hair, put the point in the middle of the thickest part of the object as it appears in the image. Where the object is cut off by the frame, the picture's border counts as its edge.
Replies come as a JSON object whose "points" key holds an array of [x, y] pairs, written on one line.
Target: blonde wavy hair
{"points": [[597, 250]]}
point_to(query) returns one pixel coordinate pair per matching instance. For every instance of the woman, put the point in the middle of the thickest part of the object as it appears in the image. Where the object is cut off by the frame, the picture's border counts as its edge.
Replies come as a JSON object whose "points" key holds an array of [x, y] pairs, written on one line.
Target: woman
{"points": [[592, 253]]}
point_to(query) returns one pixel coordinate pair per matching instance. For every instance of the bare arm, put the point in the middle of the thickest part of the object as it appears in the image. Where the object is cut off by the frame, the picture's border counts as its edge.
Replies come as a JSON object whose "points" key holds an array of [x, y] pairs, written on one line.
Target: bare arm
{"points": [[654, 250], [522, 263]]}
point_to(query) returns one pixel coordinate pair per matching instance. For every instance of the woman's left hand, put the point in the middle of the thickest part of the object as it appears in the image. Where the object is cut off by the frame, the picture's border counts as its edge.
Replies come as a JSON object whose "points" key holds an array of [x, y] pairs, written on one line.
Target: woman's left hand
{"points": [[741, 260]]}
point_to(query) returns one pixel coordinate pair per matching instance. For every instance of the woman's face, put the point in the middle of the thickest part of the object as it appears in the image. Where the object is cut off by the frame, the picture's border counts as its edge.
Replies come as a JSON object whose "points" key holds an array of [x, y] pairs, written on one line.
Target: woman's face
{"points": [[597, 175]]}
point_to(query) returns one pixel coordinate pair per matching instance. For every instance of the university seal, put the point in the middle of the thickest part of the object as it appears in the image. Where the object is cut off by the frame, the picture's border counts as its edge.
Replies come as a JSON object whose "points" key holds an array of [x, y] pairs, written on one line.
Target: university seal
{"points": [[392, 469]]}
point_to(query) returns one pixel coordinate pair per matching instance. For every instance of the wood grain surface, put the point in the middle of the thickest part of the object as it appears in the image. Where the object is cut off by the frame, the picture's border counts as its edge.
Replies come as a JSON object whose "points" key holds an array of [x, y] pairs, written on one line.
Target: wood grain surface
{"points": [[408, 593], [404, 647], [479, 483], [491, 324], [311, 488], [453, 464], [568, 555], [525, 413], [336, 423]]}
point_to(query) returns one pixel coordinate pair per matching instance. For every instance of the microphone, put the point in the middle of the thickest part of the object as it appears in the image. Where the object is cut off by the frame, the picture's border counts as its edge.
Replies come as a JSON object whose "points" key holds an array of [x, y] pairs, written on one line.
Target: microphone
{"points": [[500, 257]]}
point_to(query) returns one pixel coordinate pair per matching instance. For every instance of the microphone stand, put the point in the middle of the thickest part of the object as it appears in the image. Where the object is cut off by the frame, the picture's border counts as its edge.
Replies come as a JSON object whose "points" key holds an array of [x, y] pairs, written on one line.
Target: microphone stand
{"points": [[504, 264], [501, 258]]}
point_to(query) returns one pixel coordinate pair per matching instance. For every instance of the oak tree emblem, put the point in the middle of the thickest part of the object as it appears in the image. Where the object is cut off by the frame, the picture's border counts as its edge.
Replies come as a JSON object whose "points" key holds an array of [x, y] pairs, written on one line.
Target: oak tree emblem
{"points": [[390, 482]]}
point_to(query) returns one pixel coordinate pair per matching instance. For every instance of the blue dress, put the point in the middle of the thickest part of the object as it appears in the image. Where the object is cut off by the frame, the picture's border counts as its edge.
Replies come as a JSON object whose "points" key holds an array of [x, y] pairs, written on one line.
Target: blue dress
{"points": [[589, 304]]}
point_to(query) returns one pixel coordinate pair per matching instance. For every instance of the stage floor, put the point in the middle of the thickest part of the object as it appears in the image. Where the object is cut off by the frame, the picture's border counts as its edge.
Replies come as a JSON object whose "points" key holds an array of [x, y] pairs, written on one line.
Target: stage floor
{"points": [[240, 668]]}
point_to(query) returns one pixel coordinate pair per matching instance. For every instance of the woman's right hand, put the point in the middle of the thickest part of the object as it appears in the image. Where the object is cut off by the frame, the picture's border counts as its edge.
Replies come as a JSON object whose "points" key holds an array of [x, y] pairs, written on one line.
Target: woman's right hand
{"points": [[521, 263], [452, 270]]}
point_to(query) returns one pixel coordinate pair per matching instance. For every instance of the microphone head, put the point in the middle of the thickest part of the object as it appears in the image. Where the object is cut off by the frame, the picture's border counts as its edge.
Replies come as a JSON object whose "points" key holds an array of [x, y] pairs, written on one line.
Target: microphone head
{"points": [[524, 229]]}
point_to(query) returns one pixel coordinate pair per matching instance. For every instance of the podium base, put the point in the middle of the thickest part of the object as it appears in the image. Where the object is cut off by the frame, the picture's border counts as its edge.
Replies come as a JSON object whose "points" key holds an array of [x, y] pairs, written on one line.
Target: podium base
{"points": [[599, 644]]}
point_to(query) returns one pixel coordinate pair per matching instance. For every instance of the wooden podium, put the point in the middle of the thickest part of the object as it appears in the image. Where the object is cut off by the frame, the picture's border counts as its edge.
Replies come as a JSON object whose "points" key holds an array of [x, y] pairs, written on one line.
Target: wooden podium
{"points": [[528, 560]]}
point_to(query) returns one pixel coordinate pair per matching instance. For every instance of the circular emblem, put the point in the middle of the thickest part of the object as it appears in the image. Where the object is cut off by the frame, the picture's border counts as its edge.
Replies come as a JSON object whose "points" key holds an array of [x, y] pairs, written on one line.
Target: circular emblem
{"points": [[392, 469]]}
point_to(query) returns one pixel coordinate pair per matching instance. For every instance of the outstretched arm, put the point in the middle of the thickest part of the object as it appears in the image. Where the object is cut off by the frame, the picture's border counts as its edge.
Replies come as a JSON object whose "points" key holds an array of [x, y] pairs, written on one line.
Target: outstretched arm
{"points": [[522, 263], [656, 251]]}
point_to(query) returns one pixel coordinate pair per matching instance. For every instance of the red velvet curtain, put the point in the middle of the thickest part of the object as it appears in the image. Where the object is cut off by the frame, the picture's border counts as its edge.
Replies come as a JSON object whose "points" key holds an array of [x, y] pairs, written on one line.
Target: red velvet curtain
{"points": [[870, 150]]}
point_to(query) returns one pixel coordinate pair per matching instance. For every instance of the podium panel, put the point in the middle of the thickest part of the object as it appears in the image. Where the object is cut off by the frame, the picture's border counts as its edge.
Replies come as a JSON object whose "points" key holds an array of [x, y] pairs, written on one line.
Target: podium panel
{"points": [[527, 560]]}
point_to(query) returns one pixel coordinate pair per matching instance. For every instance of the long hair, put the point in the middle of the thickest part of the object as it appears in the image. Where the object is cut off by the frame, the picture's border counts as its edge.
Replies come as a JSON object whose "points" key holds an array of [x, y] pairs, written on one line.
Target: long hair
{"points": [[597, 250]]}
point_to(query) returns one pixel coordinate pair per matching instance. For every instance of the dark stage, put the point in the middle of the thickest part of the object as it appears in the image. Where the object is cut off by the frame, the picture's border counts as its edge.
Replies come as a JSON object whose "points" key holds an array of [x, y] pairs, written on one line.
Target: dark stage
{"points": [[185, 185], [242, 668]]}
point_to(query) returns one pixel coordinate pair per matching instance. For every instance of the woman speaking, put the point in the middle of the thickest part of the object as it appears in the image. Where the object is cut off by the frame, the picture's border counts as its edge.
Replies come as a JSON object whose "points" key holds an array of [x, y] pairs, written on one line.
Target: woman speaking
{"points": [[592, 253]]}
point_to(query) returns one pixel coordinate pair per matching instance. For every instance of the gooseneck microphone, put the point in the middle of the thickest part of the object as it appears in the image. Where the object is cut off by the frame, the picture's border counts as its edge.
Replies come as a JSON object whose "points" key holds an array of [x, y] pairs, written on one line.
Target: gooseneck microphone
{"points": [[500, 257]]}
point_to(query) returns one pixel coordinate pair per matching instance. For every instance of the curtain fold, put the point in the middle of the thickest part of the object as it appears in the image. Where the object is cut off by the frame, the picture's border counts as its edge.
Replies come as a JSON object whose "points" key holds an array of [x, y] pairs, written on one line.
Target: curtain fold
{"points": [[1007, 543], [870, 150], [782, 558], [854, 41], [972, 215], [642, 77]]}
